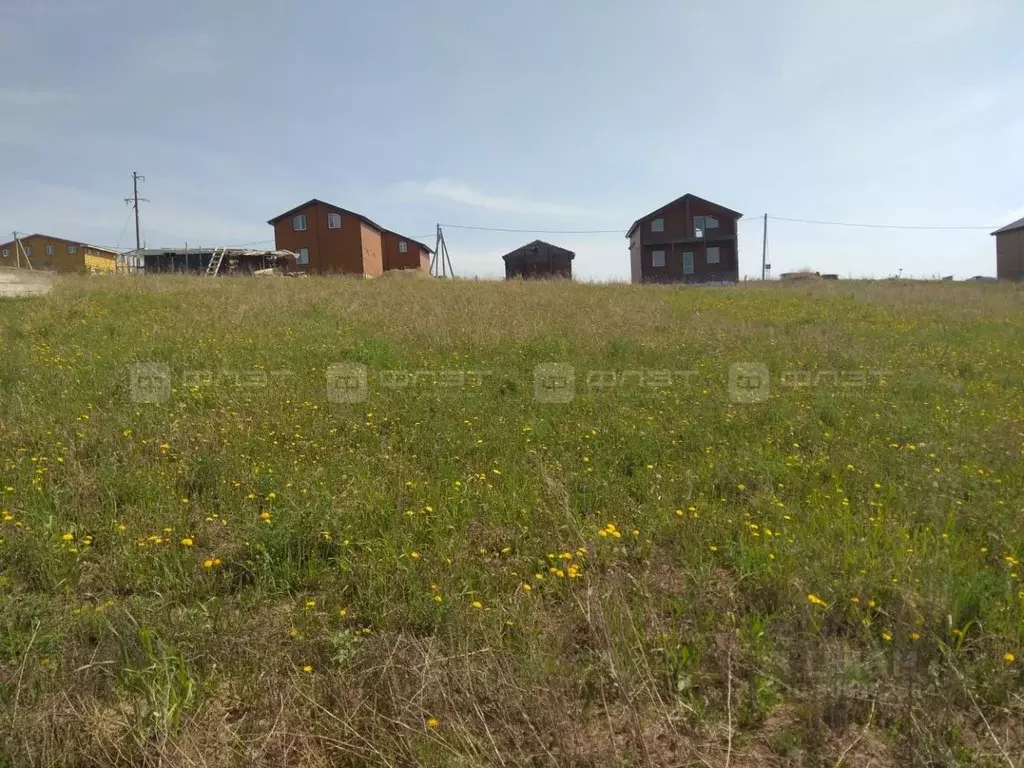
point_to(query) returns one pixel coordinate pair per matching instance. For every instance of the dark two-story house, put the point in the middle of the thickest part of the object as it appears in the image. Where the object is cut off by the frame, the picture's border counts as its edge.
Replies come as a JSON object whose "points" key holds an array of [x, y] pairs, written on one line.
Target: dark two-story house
{"points": [[538, 259], [690, 240]]}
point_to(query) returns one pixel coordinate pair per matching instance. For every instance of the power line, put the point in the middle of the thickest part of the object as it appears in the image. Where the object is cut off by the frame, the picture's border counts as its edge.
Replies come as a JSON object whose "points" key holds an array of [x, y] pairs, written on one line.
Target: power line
{"points": [[742, 220], [872, 226], [254, 242], [540, 231], [123, 230]]}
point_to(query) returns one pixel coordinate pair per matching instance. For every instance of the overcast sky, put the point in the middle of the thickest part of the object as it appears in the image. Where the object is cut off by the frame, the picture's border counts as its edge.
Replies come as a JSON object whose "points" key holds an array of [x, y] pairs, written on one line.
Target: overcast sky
{"points": [[533, 114]]}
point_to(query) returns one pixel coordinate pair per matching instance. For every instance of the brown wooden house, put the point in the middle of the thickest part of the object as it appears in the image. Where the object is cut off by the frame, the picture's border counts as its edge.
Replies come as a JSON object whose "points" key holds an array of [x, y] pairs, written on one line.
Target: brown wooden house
{"points": [[690, 240], [402, 252], [326, 238], [538, 259], [1010, 251]]}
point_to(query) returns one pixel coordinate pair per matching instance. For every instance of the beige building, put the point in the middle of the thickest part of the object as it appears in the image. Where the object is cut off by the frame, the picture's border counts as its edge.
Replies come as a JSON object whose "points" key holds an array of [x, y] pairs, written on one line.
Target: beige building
{"points": [[55, 254]]}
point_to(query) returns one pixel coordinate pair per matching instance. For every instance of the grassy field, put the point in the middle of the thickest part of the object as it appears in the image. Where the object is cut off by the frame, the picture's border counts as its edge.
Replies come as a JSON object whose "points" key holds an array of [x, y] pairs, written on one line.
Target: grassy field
{"points": [[220, 548]]}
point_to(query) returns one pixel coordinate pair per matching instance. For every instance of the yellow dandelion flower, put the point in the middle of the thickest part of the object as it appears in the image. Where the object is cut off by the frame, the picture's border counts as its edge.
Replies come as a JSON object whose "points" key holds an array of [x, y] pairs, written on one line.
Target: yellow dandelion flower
{"points": [[207, 563], [310, 604], [815, 600], [915, 636], [433, 722], [477, 604], [308, 668], [414, 555], [887, 636], [68, 537], [1009, 658], [186, 542]]}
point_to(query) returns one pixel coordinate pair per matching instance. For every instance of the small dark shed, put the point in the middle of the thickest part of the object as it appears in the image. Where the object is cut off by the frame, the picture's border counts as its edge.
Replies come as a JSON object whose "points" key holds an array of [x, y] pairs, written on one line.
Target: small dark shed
{"points": [[539, 259]]}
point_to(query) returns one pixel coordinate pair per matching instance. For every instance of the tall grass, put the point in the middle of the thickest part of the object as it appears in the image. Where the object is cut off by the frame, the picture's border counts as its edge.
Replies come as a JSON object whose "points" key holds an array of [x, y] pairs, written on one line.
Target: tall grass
{"points": [[452, 571]]}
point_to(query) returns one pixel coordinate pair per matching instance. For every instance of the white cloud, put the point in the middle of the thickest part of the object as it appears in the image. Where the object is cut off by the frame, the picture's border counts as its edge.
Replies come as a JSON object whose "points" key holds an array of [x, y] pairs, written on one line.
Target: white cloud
{"points": [[457, 192]]}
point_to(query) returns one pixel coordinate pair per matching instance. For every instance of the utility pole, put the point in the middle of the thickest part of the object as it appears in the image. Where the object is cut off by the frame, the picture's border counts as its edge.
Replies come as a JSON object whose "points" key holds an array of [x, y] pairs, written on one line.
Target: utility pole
{"points": [[19, 251], [134, 201], [764, 247], [441, 264]]}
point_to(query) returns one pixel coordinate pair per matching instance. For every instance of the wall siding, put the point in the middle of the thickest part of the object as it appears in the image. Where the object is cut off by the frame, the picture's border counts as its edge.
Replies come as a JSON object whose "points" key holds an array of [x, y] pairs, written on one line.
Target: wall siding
{"points": [[1010, 255]]}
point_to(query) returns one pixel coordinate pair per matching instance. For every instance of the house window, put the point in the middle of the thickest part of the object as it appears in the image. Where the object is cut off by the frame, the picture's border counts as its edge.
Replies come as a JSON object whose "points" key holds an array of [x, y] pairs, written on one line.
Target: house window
{"points": [[299, 223], [72, 249], [658, 225], [403, 247], [687, 262], [27, 249], [713, 255], [333, 221], [49, 250], [7, 253], [702, 223], [657, 258], [302, 255]]}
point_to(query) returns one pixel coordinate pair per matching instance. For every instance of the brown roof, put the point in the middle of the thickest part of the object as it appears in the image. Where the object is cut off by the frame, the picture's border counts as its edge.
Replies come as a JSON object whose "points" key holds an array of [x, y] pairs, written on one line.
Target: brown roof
{"points": [[339, 209], [315, 201], [1013, 225], [687, 196], [79, 243]]}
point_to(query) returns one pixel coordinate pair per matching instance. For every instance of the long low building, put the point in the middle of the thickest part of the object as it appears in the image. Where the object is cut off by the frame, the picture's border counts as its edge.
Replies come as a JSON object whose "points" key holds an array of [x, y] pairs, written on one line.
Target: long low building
{"points": [[56, 254], [198, 260]]}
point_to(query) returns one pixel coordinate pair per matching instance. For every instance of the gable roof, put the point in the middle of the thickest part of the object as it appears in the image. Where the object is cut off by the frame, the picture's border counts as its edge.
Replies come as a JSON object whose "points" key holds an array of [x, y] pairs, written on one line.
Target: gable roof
{"points": [[525, 250], [1013, 225], [338, 209], [426, 248], [687, 196], [79, 243]]}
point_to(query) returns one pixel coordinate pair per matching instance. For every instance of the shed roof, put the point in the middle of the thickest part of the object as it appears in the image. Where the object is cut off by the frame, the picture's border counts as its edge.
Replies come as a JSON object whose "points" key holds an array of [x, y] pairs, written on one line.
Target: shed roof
{"points": [[1012, 226], [687, 196]]}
